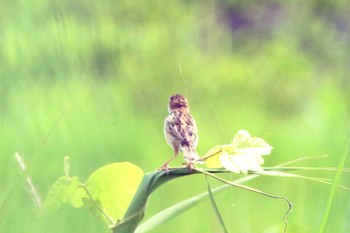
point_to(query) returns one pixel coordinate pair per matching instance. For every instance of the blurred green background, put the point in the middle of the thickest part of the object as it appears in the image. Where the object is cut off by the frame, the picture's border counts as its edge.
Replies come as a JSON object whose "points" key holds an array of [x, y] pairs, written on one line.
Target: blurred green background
{"points": [[91, 80]]}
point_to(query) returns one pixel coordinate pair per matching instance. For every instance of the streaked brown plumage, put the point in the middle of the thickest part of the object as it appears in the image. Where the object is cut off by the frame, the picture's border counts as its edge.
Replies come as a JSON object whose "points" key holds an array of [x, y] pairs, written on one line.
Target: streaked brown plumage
{"points": [[180, 131]]}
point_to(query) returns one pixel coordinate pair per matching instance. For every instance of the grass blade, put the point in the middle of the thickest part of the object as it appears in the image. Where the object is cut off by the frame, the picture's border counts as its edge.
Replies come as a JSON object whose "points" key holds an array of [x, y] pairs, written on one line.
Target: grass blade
{"points": [[215, 207], [333, 190]]}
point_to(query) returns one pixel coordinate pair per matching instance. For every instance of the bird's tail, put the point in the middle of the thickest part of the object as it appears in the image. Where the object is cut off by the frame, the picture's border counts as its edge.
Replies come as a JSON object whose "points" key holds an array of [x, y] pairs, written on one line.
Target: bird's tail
{"points": [[191, 155]]}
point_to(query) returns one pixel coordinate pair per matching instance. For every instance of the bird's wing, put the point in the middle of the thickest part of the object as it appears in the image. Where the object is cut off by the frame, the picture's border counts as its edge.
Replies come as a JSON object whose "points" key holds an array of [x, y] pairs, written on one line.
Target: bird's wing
{"points": [[182, 127]]}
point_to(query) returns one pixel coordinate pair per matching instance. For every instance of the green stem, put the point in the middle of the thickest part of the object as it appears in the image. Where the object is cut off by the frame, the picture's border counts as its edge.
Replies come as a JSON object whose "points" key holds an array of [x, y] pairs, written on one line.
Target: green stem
{"points": [[97, 206], [252, 190]]}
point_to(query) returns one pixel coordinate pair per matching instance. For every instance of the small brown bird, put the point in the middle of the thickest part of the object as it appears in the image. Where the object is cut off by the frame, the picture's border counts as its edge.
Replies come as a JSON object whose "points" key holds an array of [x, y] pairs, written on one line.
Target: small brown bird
{"points": [[180, 131]]}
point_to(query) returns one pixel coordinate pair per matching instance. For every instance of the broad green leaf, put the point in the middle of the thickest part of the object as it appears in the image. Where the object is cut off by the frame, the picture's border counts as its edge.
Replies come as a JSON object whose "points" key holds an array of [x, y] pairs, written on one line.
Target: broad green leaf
{"points": [[61, 192], [213, 156], [243, 143], [77, 198], [112, 188], [150, 182], [243, 155], [240, 163]]}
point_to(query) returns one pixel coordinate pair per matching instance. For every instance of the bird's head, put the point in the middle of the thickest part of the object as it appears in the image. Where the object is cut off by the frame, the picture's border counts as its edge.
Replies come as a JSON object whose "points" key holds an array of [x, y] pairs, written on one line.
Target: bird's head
{"points": [[178, 101]]}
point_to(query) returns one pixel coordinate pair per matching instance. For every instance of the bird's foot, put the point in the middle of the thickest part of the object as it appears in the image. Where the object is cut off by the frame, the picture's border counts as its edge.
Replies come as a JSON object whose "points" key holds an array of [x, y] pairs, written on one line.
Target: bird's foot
{"points": [[190, 166], [164, 167]]}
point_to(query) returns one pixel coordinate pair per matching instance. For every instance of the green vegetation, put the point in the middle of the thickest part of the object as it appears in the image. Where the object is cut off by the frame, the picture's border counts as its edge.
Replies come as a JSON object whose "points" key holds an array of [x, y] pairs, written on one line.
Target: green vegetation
{"points": [[91, 80]]}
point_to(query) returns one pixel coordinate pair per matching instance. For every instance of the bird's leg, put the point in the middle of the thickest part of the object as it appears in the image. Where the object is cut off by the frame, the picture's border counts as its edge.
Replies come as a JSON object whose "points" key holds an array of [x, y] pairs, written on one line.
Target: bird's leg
{"points": [[165, 165], [190, 165]]}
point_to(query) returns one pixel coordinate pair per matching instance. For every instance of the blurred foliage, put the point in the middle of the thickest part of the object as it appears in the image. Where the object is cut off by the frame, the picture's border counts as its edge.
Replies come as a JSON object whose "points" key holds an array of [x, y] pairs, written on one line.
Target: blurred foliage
{"points": [[92, 79]]}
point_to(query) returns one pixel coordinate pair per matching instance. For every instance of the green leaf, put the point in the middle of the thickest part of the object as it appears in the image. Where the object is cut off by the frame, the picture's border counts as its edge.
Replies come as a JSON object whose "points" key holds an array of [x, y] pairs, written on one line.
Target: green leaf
{"points": [[150, 182], [60, 192], [213, 156], [243, 155], [77, 198], [112, 188], [243, 143], [241, 163]]}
